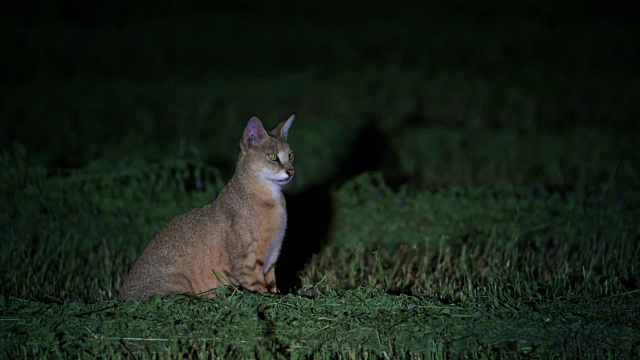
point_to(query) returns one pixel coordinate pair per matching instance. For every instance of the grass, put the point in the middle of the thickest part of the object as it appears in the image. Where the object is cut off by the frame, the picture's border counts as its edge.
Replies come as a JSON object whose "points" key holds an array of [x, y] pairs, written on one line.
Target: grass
{"points": [[464, 272], [463, 244], [362, 322], [482, 170]]}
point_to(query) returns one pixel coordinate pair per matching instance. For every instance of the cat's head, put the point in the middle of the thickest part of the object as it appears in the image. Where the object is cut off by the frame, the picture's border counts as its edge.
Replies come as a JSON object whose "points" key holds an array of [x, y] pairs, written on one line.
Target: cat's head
{"points": [[267, 153]]}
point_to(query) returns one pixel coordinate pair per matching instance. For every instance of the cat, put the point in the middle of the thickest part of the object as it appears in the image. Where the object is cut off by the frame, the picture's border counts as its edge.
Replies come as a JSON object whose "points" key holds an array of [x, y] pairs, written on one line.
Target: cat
{"points": [[234, 240]]}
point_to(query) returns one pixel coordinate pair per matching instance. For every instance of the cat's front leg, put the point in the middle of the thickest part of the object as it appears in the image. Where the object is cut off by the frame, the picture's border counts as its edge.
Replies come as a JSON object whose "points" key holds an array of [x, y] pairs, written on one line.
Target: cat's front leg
{"points": [[251, 276], [270, 279]]}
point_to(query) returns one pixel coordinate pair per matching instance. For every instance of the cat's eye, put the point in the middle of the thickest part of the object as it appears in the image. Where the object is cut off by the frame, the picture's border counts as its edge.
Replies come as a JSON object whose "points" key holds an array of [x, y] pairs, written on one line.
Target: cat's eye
{"points": [[291, 157], [273, 157]]}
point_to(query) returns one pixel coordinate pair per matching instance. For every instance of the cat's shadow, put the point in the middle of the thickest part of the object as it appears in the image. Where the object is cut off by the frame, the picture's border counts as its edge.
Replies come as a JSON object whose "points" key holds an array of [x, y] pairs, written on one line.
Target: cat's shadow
{"points": [[310, 212]]}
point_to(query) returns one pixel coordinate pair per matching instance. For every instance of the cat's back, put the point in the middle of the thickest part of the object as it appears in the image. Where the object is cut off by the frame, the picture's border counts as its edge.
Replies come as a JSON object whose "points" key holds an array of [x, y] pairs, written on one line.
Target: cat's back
{"points": [[203, 226]]}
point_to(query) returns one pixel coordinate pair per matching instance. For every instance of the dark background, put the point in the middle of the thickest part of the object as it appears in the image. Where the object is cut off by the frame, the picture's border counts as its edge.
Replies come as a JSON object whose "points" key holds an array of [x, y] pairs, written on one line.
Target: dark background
{"points": [[82, 80]]}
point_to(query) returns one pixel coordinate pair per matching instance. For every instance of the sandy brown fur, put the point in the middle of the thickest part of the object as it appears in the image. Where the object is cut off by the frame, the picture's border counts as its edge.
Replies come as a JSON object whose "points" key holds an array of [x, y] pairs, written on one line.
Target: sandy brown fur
{"points": [[237, 237]]}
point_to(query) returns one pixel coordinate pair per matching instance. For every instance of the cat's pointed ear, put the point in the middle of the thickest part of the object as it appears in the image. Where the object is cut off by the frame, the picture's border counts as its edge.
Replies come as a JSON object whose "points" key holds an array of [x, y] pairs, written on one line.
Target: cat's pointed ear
{"points": [[282, 129], [253, 133]]}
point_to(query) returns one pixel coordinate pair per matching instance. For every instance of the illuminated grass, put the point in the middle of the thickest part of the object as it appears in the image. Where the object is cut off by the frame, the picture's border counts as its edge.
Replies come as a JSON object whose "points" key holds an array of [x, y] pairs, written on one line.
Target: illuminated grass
{"points": [[411, 273]]}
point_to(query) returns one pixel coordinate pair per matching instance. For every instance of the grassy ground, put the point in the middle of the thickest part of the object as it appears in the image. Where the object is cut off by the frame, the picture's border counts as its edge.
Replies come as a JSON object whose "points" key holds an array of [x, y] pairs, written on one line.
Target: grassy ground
{"points": [[474, 272], [467, 180], [359, 323]]}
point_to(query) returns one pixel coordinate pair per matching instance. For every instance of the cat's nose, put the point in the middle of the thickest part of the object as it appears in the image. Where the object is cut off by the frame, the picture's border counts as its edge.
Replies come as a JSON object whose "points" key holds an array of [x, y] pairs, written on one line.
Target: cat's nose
{"points": [[290, 172]]}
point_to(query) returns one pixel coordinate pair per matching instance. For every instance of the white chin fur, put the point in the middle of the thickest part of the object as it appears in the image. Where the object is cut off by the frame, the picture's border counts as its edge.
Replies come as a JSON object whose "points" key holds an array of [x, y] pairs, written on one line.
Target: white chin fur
{"points": [[282, 181], [278, 180]]}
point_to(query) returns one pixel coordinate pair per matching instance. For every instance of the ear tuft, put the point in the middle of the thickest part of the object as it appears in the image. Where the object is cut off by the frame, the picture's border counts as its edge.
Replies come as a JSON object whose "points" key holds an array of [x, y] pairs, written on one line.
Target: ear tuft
{"points": [[285, 125], [253, 133]]}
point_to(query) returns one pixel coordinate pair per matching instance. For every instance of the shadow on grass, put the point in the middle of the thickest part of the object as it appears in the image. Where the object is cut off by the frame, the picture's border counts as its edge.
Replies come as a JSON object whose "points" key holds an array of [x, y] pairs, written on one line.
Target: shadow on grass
{"points": [[309, 214], [310, 211]]}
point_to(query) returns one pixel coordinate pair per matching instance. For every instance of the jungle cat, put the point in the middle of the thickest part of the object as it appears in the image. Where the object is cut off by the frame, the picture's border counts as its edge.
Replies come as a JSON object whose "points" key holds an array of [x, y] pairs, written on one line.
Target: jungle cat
{"points": [[234, 240]]}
